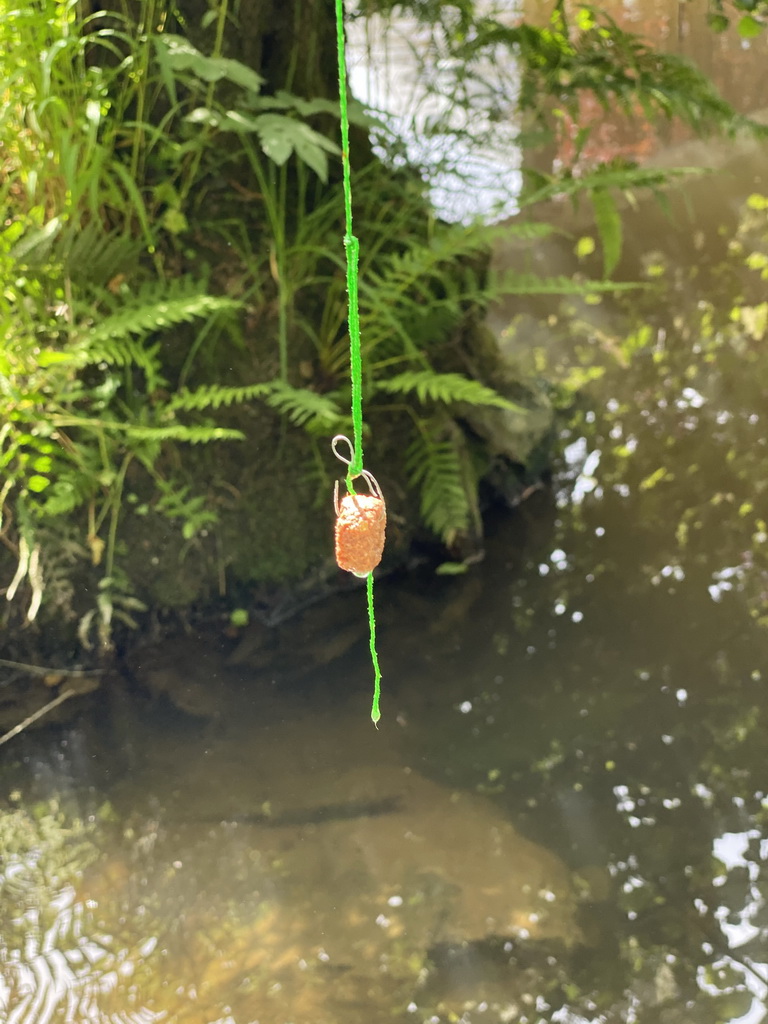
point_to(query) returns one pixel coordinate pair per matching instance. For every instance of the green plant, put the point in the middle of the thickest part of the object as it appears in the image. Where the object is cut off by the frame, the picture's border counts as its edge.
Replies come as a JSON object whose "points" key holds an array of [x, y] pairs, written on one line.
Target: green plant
{"points": [[100, 138], [420, 283], [416, 299], [279, 126], [122, 138], [82, 396], [65, 86]]}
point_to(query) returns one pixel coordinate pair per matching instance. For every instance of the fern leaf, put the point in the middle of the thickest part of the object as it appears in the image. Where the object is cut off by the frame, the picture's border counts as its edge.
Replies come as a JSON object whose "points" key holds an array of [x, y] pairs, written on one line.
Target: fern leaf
{"points": [[194, 435], [512, 283], [122, 352], [445, 387], [155, 307], [434, 466], [608, 222], [93, 255], [142, 319], [213, 396], [118, 339], [302, 406], [614, 175], [67, 493]]}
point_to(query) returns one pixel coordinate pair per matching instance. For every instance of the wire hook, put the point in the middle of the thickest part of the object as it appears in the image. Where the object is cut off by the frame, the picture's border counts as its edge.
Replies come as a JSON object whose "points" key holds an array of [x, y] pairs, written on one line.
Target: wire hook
{"points": [[337, 453], [370, 479]]}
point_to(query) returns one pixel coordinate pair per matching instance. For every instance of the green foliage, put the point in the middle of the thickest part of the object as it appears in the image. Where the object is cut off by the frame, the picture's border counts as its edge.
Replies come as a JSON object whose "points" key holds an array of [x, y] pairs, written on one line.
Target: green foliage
{"points": [[117, 135], [60, 133], [94, 112], [608, 223], [156, 306], [175, 54], [438, 464], [506, 283], [447, 388], [83, 406], [627, 178], [752, 16], [417, 294], [94, 109], [279, 136], [318, 414], [214, 396], [617, 67], [115, 602], [420, 284]]}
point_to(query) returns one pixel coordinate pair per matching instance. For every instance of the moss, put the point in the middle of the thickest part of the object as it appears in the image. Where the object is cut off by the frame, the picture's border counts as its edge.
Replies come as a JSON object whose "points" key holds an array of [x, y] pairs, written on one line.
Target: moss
{"points": [[280, 527]]}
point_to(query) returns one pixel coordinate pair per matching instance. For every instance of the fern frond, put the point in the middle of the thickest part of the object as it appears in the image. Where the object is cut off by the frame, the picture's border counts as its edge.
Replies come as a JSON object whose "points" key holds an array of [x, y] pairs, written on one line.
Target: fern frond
{"points": [[213, 396], [618, 175], [118, 339], [433, 464], [122, 352], [419, 263], [302, 406], [67, 492], [512, 283], [445, 387], [157, 306], [193, 435], [418, 294], [93, 256]]}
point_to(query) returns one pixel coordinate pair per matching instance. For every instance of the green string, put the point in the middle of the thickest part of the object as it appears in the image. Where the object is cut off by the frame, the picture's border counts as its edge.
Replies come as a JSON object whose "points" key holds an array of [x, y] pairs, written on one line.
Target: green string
{"points": [[375, 713], [352, 249]]}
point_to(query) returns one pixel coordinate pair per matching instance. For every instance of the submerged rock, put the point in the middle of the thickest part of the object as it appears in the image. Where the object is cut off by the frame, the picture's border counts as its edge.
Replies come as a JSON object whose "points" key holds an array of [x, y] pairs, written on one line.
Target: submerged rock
{"points": [[441, 866], [319, 869]]}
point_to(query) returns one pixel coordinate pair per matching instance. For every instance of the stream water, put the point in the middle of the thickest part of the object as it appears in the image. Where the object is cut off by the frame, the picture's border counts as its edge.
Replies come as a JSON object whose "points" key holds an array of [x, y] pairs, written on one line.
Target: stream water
{"points": [[564, 813]]}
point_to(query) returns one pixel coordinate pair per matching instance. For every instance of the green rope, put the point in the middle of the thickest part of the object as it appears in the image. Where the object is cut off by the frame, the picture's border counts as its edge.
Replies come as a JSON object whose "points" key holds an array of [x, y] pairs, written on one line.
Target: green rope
{"points": [[352, 249], [375, 713]]}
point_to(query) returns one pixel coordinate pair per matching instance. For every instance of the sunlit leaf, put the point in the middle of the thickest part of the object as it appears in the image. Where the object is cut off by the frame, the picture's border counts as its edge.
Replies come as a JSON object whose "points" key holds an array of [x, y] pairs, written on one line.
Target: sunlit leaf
{"points": [[585, 247], [608, 223], [181, 55], [749, 27], [49, 357], [37, 241]]}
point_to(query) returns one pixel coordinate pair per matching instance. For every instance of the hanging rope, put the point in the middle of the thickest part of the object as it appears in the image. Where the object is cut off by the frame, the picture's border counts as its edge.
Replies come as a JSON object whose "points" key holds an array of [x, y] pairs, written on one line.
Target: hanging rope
{"points": [[360, 519], [352, 248]]}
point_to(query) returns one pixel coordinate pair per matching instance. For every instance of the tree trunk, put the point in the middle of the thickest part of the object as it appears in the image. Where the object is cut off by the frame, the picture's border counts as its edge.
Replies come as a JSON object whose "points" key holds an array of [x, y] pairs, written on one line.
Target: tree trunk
{"points": [[291, 43]]}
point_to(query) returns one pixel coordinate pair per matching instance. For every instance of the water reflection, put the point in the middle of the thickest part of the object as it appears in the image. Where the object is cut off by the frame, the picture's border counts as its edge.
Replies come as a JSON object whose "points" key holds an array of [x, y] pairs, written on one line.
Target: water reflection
{"points": [[737, 66], [472, 159]]}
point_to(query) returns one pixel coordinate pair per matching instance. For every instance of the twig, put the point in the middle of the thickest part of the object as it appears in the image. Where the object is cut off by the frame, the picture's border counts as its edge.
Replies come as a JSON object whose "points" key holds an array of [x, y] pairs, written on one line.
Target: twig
{"points": [[38, 714], [42, 670]]}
